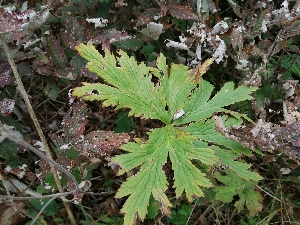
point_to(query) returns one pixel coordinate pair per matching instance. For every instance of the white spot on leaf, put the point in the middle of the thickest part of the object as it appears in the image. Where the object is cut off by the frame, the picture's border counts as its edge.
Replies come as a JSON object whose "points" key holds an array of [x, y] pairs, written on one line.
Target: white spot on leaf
{"points": [[179, 114]]}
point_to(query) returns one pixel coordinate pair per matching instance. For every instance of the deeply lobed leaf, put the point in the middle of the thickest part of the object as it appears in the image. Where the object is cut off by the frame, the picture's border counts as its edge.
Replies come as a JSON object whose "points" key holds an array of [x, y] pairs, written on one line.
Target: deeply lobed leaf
{"points": [[201, 107], [205, 130], [184, 104], [132, 84], [151, 156]]}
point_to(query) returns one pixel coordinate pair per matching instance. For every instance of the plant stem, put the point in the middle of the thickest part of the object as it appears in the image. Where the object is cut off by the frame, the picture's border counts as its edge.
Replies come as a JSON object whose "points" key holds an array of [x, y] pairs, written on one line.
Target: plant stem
{"points": [[36, 123]]}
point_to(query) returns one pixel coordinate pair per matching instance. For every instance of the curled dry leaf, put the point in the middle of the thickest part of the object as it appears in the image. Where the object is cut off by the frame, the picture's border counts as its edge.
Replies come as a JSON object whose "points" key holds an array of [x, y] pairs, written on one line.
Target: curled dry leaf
{"points": [[93, 144], [100, 143], [271, 137], [21, 172], [73, 126], [201, 69]]}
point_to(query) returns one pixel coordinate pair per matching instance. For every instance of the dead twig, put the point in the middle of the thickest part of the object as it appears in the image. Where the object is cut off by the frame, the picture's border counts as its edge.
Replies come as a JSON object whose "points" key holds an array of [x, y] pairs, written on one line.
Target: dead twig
{"points": [[36, 123]]}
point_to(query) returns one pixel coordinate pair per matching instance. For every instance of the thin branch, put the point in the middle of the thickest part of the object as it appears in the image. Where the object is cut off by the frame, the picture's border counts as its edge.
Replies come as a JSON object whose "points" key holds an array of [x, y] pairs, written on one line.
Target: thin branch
{"points": [[268, 193], [13, 136], [6, 197], [36, 122], [42, 210], [37, 197], [188, 220]]}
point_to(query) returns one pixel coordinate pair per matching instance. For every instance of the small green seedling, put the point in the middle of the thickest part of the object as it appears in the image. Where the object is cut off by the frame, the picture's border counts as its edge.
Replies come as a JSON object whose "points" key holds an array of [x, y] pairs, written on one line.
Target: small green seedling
{"points": [[180, 99]]}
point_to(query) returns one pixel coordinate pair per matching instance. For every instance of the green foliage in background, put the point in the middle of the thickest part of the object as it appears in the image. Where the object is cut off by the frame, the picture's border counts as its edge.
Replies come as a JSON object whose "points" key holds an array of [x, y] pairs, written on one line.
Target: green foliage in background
{"points": [[180, 216], [235, 185], [123, 123]]}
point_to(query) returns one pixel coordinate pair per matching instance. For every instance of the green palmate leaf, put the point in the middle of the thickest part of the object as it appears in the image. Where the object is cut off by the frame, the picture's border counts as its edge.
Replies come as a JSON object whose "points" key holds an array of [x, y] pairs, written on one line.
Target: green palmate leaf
{"points": [[200, 107], [151, 178], [176, 87], [238, 186], [132, 84], [184, 105], [240, 168], [187, 177], [206, 131]]}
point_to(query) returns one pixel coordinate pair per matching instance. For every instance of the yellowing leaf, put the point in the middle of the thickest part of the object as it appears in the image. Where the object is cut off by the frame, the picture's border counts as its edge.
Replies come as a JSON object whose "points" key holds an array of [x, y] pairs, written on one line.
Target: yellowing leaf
{"points": [[201, 69]]}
